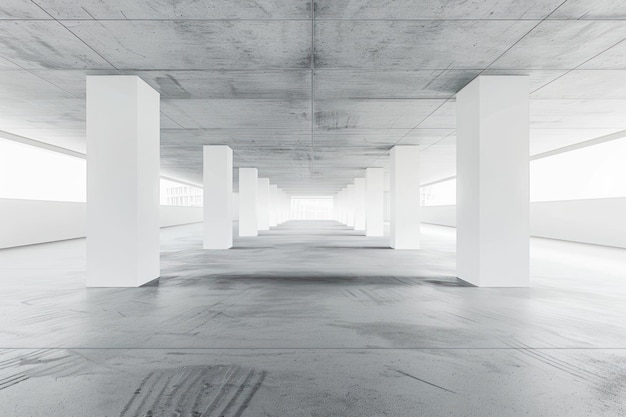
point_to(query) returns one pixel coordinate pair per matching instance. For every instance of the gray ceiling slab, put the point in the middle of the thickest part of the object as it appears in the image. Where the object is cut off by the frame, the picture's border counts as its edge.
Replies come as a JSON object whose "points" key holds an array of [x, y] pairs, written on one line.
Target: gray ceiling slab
{"points": [[380, 138], [243, 74], [178, 9], [234, 113], [7, 65], [562, 44], [578, 114], [189, 44], [21, 10], [186, 84], [236, 137], [537, 79], [425, 137], [373, 84], [587, 84], [613, 58], [245, 84], [586, 9], [45, 44], [26, 85], [444, 117], [384, 138], [435, 9], [411, 45], [372, 113]]}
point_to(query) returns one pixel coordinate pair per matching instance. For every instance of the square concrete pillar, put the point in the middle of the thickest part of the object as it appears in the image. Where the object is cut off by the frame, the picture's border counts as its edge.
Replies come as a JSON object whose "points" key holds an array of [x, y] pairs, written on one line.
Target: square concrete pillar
{"points": [[248, 185], [350, 205], [359, 204], [123, 135], [405, 197], [263, 204], [374, 202], [273, 205], [493, 182], [218, 197]]}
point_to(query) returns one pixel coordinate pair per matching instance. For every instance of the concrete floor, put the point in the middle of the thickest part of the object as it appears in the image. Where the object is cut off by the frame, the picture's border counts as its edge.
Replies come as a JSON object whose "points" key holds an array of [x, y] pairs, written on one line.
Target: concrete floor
{"points": [[312, 319]]}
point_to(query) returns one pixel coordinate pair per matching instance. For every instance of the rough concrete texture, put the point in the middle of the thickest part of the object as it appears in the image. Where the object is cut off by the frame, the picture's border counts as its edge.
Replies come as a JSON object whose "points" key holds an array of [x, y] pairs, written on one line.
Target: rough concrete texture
{"points": [[312, 92], [312, 319]]}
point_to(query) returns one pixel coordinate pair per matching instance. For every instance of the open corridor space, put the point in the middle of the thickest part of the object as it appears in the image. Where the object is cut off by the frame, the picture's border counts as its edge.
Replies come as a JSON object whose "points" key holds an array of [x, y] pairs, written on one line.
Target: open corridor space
{"points": [[312, 319]]}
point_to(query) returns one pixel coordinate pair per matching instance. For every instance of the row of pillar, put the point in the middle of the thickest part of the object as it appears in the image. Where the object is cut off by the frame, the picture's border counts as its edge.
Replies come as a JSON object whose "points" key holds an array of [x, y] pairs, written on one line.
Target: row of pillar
{"points": [[361, 204], [261, 205], [492, 186]]}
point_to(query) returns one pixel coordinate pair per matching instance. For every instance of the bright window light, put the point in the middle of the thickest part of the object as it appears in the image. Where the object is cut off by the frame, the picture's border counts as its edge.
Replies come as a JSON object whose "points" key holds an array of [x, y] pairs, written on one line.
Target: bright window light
{"points": [[177, 194], [31, 173], [597, 171], [312, 208], [439, 194]]}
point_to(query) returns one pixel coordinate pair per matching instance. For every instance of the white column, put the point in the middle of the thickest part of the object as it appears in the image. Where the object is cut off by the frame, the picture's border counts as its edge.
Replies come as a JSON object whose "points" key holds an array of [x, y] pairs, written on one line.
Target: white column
{"points": [[248, 185], [374, 202], [350, 205], [359, 204], [492, 182], [218, 197], [273, 205], [344, 206], [122, 182], [405, 197], [263, 204]]}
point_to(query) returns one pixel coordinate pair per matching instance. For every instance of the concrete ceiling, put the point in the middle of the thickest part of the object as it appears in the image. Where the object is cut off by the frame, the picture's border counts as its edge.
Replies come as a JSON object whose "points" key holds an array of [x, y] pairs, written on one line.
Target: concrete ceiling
{"points": [[312, 93]]}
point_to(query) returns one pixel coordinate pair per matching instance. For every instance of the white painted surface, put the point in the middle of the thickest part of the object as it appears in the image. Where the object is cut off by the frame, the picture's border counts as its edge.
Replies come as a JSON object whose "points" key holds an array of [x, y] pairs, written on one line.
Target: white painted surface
{"points": [[218, 197], [350, 211], [598, 221], [359, 203], [28, 222], [248, 217], [404, 232], [492, 182], [263, 204], [235, 208], [374, 202], [273, 205], [440, 215], [123, 121], [178, 215]]}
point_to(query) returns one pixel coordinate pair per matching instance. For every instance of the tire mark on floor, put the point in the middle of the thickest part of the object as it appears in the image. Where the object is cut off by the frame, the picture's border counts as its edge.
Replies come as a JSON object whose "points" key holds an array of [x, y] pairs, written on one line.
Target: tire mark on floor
{"points": [[196, 391]]}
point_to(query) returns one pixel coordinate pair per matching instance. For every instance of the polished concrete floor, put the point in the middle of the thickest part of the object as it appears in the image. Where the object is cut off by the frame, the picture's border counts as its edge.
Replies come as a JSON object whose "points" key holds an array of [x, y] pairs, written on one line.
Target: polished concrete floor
{"points": [[312, 319]]}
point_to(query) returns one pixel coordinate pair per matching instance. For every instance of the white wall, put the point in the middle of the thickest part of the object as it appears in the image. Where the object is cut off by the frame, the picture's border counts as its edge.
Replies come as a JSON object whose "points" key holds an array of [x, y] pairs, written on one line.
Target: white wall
{"points": [[26, 222], [596, 221], [599, 221], [175, 215]]}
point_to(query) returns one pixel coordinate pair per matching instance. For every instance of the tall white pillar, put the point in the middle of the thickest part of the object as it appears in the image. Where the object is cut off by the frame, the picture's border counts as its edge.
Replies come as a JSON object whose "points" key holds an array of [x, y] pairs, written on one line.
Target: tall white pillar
{"points": [[218, 197], [122, 182], [374, 202], [405, 197], [263, 204], [248, 185], [273, 205], [344, 206], [359, 204], [492, 182], [350, 205]]}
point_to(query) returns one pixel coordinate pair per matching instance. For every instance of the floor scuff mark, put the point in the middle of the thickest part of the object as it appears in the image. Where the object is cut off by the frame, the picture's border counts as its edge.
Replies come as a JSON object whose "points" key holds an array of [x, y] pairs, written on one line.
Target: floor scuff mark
{"points": [[195, 391]]}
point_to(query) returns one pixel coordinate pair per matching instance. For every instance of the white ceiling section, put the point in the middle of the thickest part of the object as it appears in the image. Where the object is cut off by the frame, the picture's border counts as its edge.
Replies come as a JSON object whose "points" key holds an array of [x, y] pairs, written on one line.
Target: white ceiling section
{"points": [[312, 93]]}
